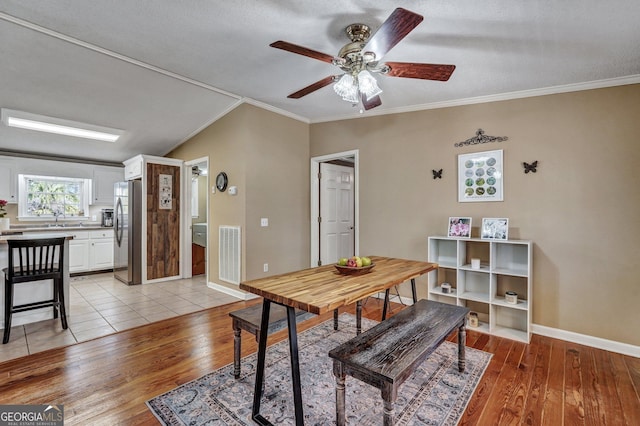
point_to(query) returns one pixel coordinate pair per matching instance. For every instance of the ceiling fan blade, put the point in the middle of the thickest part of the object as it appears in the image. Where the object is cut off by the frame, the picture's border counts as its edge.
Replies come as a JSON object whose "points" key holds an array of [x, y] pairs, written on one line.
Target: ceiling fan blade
{"points": [[294, 48], [313, 87], [400, 23], [371, 103], [423, 71]]}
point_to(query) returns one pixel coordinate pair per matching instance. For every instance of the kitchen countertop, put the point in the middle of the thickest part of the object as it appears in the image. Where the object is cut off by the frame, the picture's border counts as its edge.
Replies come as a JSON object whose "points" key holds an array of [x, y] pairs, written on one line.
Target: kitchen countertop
{"points": [[19, 229], [34, 236]]}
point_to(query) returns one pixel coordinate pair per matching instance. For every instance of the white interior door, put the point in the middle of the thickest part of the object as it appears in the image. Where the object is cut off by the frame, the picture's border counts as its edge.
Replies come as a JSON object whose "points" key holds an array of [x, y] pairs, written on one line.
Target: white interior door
{"points": [[336, 212]]}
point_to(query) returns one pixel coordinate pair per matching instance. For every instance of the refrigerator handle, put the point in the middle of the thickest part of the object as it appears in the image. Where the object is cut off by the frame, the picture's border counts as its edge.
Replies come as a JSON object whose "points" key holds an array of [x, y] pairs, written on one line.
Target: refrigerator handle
{"points": [[118, 222]]}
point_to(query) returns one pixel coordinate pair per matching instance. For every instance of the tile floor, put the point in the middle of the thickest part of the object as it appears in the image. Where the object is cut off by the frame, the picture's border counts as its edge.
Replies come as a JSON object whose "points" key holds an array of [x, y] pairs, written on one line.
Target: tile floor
{"points": [[100, 305]]}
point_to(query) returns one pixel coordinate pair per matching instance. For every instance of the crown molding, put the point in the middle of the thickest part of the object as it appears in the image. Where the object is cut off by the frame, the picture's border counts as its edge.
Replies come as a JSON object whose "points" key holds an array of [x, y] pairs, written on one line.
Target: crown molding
{"points": [[273, 109], [552, 90]]}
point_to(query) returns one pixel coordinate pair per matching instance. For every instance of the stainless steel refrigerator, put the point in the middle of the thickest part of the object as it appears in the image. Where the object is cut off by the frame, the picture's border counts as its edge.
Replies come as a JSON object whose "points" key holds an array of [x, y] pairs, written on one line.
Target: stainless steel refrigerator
{"points": [[127, 226]]}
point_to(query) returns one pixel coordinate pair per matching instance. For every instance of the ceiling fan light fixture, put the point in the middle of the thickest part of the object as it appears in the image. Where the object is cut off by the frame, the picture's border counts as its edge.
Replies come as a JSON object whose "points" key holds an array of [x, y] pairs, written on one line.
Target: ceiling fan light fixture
{"points": [[368, 84], [347, 89]]}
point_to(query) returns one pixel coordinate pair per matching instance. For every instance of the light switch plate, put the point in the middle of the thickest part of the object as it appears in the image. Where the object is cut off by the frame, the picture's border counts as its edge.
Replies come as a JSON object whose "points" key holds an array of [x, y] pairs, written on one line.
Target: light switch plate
{"points": [[264, 221]]}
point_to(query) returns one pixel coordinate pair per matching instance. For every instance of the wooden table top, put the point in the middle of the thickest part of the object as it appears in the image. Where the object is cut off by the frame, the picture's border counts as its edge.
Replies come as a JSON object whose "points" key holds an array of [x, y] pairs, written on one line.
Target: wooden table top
{"points": [[323, 289]]}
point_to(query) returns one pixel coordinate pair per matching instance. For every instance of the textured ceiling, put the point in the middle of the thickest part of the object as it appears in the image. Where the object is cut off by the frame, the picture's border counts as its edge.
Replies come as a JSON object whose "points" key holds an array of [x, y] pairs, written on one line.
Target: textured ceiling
{"points": [[163, 70]]}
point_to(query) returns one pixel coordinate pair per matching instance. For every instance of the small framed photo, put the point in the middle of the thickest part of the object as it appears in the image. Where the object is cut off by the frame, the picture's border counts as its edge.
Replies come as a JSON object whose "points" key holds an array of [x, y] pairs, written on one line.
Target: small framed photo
{"points": [[494, 228], [459, 227]]}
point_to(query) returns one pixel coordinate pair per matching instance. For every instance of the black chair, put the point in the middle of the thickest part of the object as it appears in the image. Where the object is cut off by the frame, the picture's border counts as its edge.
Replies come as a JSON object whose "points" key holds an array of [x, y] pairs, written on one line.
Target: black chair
{"points": [[34, 260]]}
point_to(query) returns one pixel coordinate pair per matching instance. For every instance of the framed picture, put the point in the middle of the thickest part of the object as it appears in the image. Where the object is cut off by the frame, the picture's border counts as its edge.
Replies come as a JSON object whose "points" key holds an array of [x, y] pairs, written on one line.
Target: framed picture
{"points": [[494, 228], [480, 176], [459, 227], [166, 191]]}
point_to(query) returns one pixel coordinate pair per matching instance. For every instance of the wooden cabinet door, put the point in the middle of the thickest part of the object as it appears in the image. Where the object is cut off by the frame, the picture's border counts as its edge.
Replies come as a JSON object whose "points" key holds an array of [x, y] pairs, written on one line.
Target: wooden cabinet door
{"points": [[198, 263]]}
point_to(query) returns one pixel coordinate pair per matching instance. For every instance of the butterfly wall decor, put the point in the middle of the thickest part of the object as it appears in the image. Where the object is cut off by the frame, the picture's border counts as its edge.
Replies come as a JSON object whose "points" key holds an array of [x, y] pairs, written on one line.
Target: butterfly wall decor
{"points": [[530, 167], [437, 174]]}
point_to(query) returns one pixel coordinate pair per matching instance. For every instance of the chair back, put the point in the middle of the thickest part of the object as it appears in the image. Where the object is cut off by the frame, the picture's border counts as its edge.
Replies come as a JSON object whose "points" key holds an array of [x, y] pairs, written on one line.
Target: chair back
{"points": [[37, 259]]}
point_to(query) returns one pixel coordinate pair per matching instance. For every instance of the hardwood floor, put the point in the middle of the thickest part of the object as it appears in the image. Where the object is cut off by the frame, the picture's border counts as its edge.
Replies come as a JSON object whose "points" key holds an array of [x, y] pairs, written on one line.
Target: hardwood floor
{"points": [[107, 380]]}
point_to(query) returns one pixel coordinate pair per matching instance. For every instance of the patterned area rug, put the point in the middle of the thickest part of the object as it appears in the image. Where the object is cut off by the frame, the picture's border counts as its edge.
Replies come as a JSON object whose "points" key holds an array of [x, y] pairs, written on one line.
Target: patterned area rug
{"points": [[436, 394]]}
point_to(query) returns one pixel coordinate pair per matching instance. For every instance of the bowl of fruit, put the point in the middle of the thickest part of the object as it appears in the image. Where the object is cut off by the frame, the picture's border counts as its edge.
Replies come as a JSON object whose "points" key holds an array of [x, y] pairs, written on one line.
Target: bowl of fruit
{"points": [[354, 265]]}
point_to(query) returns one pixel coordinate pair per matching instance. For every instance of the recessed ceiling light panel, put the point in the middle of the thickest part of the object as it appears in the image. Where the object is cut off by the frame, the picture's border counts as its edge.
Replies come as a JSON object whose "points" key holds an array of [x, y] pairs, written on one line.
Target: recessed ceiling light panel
{"points": [[41, 123]]}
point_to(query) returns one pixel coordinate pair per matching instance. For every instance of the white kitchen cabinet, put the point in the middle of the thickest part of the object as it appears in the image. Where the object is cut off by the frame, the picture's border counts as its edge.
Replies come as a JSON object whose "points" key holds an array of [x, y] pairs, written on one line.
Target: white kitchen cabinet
{"points": [[103, 180], [505, 265], [101, 250], [91, 251], [8, 181], [79, 252], [133, 168]]}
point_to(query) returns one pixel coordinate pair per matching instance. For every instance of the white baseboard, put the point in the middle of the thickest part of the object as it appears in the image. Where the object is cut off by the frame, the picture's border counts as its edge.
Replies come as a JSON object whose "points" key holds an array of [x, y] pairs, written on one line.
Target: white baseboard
{"points": [[583, 339], [569, 336], [232, 292]]}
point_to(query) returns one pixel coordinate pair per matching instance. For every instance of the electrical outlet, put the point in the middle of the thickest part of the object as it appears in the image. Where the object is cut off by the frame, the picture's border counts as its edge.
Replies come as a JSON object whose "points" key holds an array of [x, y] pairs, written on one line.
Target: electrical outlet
{"points": [[265, 267], [264, 221]]}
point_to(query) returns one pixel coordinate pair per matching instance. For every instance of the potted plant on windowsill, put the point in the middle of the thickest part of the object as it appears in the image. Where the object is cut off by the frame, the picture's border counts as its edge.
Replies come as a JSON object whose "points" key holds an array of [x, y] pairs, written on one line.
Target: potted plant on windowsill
{"points": [[4, 221]]}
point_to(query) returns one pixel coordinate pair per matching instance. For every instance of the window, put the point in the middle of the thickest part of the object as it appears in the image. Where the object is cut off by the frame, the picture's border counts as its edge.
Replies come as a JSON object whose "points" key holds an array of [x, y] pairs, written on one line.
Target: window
{"points": [[50, 197]]}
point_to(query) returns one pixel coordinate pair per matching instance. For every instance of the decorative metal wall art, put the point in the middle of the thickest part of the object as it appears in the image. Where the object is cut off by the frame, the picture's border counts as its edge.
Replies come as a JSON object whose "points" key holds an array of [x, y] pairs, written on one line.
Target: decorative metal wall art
{"points": [[479, 138], [533, 167], [437, 174]]}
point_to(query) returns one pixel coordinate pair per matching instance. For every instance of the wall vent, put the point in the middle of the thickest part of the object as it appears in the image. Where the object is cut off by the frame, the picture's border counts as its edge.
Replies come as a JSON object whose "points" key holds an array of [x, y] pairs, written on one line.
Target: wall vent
{"points": [[229, 254]]}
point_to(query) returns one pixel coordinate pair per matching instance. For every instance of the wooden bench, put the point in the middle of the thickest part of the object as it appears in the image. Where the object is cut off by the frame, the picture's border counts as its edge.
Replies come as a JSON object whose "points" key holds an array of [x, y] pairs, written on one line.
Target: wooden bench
{"points": [[387, 354], [249, 319]]}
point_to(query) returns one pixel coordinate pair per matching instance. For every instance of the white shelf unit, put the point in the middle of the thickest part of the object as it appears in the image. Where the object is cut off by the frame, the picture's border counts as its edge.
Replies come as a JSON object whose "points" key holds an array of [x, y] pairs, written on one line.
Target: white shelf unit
{"points": [[505, 265]]}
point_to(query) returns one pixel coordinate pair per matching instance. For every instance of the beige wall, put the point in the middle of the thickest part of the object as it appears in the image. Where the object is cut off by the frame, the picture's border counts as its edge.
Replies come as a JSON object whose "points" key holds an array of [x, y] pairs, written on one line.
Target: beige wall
{"points": [[266, 156], [581, 208], [277, 189]]}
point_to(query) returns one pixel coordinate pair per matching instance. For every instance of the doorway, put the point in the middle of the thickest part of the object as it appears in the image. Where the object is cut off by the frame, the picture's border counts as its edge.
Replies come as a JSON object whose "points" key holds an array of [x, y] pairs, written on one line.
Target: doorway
{"points": [[197, 235], [334, 207]]}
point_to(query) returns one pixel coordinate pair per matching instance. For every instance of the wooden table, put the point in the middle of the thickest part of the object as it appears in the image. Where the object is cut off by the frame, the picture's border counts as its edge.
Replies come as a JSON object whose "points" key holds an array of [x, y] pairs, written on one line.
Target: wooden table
{"points": [[320, 290]]}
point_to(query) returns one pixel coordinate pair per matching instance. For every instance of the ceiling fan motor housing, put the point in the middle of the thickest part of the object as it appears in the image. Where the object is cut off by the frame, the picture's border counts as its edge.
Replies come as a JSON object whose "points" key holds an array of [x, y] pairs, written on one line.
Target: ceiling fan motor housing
{"points": [[358, 32], [351, 53]]}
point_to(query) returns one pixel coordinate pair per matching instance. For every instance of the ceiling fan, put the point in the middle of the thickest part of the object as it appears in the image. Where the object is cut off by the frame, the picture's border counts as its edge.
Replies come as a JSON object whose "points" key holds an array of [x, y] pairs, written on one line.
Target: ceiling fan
{"points": [[361, 57]]}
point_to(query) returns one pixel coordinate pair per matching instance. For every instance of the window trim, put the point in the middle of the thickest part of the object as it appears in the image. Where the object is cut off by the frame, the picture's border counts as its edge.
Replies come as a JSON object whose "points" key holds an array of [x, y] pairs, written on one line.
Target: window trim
{"points": [[85, 195]]}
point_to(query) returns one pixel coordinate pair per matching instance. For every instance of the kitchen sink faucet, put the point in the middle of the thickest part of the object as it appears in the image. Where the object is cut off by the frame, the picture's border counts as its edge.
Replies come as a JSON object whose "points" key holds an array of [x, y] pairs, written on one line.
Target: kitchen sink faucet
{"points": [[56, 213]]}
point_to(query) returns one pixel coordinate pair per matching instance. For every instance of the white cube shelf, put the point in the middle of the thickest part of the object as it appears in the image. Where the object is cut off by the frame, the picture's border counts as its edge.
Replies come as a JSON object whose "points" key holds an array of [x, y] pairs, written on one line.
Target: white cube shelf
{"points": [[505, 265]]}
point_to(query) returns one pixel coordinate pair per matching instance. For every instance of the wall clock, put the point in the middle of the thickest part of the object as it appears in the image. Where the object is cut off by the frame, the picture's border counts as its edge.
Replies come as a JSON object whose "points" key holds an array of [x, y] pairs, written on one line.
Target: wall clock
{"points": [[222, 181]]}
